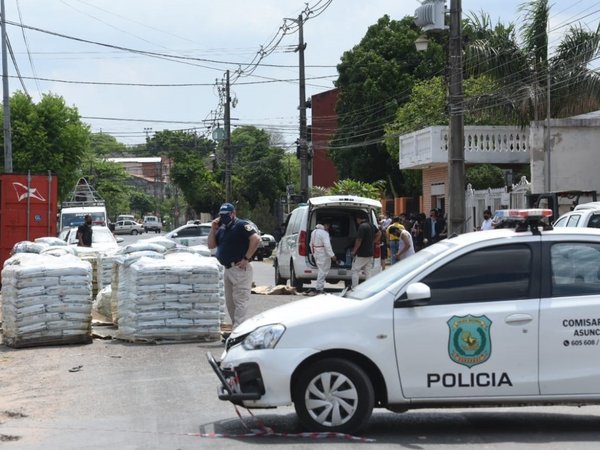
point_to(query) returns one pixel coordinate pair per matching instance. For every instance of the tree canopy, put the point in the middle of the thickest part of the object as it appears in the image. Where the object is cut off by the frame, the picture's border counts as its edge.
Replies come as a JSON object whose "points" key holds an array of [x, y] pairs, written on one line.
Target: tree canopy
{"points": [[258, 169], [375, 77], [192, 159], [521, 67], [48, 136], [105, 145]]}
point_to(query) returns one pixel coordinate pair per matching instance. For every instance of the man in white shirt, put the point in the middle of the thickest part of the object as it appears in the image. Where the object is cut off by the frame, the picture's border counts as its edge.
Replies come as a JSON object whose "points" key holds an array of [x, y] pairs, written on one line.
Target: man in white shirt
{"points": [[320, 246], [487, 223]]}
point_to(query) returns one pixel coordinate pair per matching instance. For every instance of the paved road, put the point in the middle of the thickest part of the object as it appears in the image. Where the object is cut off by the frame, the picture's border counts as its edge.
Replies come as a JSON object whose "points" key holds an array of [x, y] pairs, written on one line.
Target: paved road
{"points": [[116, 395]]}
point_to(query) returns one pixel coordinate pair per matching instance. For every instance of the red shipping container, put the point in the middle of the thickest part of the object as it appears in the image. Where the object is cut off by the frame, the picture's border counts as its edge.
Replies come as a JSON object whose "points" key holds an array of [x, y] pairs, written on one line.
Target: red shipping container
{"points": [[28, 206]]}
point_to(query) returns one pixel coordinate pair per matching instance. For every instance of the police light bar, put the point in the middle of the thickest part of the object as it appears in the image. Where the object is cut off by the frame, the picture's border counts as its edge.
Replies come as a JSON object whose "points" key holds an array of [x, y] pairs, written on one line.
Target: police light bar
{"points": [[523, 214]]}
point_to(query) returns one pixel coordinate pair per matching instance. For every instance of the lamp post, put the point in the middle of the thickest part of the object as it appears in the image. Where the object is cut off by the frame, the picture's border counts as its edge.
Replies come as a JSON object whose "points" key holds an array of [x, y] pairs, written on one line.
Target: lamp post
{"points": [[430, 16]]}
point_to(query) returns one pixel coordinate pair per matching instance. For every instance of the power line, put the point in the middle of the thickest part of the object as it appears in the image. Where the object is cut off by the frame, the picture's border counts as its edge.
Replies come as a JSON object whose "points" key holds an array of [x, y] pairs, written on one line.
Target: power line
{"points": [[115, 83]]}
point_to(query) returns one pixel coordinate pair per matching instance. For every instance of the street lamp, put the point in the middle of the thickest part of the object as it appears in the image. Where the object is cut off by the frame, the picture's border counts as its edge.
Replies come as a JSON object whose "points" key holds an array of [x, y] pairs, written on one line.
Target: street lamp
{"points": [[430, 16], [421, 43]]}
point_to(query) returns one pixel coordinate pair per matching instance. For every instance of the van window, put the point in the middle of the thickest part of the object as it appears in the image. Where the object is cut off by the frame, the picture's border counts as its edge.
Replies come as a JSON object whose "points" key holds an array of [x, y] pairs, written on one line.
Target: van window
{"points": [[295, 221]]}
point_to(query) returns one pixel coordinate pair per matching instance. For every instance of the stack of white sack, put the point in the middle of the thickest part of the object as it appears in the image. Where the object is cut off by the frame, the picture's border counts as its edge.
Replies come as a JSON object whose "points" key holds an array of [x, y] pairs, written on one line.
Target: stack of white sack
{"points": [[43, 245], [178, 297], [126, 256], [46, 300], [93, 255], [101, 304], [104, 267]]}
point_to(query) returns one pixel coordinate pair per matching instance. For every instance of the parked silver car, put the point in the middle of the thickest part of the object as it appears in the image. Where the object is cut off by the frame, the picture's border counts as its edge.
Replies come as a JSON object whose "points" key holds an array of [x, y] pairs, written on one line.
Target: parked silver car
{"points": [[128, 227]]}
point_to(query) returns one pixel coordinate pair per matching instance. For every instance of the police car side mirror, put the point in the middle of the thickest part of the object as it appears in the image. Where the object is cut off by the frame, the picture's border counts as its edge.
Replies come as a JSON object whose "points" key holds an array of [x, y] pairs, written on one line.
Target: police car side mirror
{"points": [[417, 294], [174, 235]]}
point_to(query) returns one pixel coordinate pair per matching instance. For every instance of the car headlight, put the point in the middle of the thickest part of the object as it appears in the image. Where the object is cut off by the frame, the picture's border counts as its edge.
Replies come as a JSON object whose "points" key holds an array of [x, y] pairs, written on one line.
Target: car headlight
{"points": [[264, 337]]}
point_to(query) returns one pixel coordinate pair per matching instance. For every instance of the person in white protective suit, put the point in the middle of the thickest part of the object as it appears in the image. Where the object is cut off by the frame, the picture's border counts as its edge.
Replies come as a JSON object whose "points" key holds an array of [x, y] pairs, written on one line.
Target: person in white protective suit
{"points": [[320, 246]]}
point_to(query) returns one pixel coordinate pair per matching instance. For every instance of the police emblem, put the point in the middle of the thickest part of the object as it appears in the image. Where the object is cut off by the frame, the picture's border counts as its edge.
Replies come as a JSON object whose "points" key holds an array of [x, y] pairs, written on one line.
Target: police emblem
{"points": [[469, 342]]}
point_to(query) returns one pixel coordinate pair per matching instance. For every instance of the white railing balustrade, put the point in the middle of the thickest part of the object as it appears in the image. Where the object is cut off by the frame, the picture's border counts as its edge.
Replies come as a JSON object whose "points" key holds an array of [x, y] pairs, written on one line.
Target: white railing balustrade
{"points": [[483, 144]]}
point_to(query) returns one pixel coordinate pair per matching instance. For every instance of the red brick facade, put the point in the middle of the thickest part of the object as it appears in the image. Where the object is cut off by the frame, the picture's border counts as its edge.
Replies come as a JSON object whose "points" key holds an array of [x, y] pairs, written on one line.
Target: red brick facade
{"points": [[435, 179], [324, 126]]}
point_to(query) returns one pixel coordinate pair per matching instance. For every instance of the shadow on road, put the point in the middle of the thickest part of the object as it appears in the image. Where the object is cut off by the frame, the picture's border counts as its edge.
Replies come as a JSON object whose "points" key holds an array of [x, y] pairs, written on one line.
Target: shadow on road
{"points": [[427, 427]]}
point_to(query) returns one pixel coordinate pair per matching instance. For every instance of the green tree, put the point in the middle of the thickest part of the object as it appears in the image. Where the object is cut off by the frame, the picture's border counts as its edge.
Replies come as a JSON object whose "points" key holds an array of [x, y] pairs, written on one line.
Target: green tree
{"points": [[105, 145], [258, 167], [375, 77], [520, 68], [110, 181], [192, 167], [352, 187], [483, 176], [179, 143], [261, 215], [426, 107], [140, 202], [200, 189], [48, 136]]}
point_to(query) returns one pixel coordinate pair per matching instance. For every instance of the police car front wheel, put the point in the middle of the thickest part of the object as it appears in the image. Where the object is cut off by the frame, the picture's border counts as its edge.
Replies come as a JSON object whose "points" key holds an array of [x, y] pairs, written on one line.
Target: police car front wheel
{"points": [[334, 395]]}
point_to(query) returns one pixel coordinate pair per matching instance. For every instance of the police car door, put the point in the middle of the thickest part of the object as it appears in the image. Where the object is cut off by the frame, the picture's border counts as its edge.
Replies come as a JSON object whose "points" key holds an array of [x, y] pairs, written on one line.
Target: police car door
{"points": [[477, 336], [570, 317]]}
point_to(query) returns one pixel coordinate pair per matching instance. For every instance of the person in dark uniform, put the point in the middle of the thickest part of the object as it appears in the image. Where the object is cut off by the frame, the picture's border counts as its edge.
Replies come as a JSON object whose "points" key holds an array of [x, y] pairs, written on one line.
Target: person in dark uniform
{"points": [[433, 229], [236, 241], [362, 253], [84, 232]]}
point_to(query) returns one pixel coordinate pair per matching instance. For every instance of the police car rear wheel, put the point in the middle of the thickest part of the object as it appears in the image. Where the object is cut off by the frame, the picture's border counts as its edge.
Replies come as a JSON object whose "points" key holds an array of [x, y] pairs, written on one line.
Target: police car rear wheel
{"points": [[334, 395]]}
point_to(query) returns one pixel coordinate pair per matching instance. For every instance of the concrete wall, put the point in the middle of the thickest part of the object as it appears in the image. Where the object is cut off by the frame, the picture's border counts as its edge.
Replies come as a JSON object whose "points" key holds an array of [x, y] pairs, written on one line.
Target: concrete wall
{"points": [[574, 157]]}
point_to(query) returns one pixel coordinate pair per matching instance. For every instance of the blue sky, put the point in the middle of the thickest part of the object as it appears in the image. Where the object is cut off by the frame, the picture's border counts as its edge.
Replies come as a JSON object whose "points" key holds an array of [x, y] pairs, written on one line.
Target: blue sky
{"points": [[226, 32]]}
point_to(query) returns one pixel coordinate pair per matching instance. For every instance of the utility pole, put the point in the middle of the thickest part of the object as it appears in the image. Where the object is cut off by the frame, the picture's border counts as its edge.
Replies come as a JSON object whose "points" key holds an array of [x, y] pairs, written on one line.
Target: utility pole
{"points": [[227, 143], [547, 135], [303, 141], [8, 165], [456, 151]]}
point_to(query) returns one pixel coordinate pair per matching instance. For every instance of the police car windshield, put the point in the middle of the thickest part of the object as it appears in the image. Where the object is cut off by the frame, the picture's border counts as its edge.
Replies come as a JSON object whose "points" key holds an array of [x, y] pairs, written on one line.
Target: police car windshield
{"points": [[393, 274]]}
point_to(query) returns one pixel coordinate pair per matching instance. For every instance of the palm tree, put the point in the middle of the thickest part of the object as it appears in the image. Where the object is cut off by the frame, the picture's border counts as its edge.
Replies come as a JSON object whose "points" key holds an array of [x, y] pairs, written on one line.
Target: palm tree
{"points": [[523, 69]]}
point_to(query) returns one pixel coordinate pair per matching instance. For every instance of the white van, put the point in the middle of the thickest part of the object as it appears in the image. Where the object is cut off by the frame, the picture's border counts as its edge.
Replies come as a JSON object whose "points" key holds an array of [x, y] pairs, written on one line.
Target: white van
{"points": [[293, 260], [74, 216], [152, 223]]}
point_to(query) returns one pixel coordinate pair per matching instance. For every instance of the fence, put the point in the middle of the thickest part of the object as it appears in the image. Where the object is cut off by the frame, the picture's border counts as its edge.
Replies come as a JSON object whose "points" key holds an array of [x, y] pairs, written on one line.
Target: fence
{"points": [[477, 201]]}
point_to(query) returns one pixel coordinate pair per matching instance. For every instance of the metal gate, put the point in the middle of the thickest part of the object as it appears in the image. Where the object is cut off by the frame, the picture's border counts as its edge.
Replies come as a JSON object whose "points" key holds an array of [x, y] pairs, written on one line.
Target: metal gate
{"points": [[477, 201]]}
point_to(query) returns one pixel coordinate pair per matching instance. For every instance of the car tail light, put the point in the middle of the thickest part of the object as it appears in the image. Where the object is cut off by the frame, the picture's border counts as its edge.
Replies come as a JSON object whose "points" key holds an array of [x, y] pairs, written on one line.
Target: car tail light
{"points": [[302, 243]]}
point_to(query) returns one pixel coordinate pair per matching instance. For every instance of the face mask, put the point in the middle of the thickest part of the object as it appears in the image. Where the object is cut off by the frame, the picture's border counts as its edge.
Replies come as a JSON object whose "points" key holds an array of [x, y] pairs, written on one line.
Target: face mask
{"points": [[226, 219]]}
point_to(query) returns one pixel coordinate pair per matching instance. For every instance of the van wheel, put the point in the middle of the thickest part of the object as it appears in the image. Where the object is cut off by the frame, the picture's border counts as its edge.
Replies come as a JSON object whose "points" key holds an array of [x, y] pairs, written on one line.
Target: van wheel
{"points": [[333, 395], [278, 279], [294, 282]]}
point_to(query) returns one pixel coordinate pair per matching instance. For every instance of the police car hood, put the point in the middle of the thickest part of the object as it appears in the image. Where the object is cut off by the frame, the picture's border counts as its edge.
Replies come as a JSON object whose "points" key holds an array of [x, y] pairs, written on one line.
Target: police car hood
{"points": [[318, 308]]}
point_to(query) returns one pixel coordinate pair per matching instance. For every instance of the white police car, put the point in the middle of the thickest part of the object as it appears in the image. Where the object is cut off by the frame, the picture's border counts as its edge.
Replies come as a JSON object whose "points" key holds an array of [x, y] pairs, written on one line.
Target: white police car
{"points": [[496, 318]]}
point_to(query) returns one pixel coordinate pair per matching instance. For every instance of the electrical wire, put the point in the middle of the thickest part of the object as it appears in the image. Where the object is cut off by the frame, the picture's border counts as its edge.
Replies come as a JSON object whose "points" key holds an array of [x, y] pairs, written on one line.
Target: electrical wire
{"points": [[116, 83], [14, 60], [25, 40]]}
